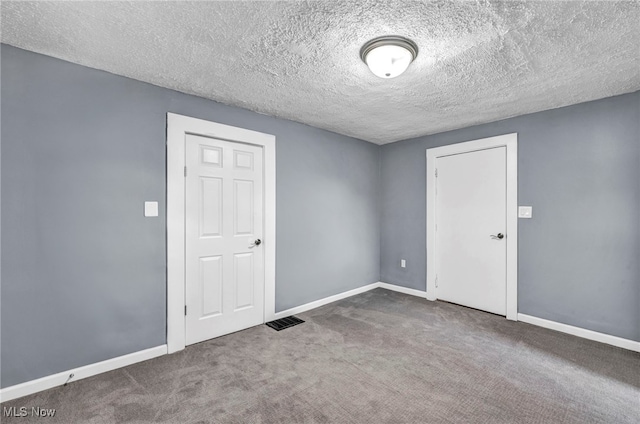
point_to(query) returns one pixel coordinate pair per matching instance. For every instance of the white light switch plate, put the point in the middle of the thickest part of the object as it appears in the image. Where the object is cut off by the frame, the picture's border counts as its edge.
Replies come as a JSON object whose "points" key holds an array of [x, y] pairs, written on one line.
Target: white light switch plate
{"points": [[403, 263], [525, 211], [150, 208]]}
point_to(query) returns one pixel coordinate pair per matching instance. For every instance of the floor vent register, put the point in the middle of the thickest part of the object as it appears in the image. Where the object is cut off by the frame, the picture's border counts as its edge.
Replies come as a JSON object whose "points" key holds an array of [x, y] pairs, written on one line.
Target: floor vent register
{"points": [[282, 323]]}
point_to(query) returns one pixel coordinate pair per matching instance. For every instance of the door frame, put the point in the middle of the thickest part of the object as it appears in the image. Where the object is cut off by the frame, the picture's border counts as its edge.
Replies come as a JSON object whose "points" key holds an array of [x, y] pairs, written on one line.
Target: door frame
{"points": [[510, 142], [178, 126]]}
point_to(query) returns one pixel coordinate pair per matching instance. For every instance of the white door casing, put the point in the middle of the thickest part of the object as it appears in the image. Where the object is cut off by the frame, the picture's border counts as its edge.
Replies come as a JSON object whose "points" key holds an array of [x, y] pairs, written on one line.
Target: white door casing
{"points": [[498, 152], [224, 223], [470, 218], [180, 131]]}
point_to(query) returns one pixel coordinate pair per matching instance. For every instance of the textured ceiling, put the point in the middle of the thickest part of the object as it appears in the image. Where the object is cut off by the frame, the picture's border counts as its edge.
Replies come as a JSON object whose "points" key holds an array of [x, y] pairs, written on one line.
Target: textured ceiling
{"points": [[478, 61]]}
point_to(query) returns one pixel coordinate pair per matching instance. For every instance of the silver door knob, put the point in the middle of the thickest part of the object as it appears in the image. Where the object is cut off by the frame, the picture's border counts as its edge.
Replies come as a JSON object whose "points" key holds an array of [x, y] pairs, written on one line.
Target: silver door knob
{"points": [[257, 242], [498, 236]]}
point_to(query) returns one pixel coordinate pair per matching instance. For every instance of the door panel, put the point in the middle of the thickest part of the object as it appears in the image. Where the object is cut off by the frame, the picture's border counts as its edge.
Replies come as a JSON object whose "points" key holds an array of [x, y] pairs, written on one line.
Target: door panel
{"points": [[211, 211], [224, 215], [243, 210], [211, 285], [470, 208], [243, 280]]}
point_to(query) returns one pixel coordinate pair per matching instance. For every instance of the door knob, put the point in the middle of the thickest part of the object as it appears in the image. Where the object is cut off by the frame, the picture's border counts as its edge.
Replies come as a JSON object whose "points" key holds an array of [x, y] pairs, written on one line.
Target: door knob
{"points": [[257, 242], [499, 236]]}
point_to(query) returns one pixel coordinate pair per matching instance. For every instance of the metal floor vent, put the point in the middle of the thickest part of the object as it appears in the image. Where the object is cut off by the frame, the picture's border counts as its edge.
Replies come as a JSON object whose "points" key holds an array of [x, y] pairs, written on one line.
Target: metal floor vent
{"points": [[282, 323]]}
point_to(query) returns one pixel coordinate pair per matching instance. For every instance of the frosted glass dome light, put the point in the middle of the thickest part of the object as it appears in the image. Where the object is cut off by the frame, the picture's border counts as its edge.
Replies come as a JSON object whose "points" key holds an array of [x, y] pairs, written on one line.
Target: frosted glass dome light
{"points": [[388, 56]]}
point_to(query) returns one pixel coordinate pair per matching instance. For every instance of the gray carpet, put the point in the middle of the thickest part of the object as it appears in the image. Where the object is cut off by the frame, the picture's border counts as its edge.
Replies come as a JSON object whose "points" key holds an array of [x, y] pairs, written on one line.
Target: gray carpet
{"points": [[379, 357]]}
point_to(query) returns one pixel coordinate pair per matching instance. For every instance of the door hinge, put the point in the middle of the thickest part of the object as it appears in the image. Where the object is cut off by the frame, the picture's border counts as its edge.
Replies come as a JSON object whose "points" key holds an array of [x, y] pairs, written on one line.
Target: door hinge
{"points": [[185, 310], [436, 281], [436, 172], [185, 171]]}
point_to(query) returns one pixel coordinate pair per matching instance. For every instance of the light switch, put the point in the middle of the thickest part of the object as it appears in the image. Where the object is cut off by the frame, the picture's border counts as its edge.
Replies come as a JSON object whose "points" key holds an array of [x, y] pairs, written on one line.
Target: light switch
{"points": [[403, 263], [525, 211], [150, 208]]}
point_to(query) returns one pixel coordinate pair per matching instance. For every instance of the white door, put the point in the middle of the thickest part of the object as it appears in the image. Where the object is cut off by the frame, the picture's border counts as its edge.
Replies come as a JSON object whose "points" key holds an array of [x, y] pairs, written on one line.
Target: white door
{"points": [[224, 223], [471, 253]]}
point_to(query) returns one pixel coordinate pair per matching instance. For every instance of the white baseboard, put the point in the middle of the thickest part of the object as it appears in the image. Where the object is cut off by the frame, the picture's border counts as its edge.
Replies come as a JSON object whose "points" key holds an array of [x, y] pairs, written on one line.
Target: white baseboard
{"points": [[44, 383], [48, 382], [581, 332], [405, 290], [316, 304], [552, 325]]}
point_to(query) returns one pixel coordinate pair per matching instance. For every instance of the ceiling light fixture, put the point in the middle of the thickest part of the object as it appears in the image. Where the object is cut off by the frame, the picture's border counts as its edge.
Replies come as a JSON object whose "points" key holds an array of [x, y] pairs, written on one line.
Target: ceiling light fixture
{"points": [[388, 56]]}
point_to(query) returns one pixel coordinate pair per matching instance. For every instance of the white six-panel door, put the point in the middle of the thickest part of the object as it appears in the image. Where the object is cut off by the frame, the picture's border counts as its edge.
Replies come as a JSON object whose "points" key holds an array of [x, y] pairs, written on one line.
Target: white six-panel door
{"points": [[224, 286], [471, 253]]}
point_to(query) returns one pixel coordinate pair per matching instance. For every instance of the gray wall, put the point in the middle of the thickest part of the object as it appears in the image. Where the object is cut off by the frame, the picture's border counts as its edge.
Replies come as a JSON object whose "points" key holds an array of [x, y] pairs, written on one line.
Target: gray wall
{"points": [[83, 272], [579, 167]]}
